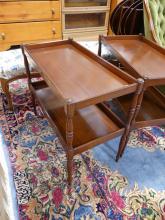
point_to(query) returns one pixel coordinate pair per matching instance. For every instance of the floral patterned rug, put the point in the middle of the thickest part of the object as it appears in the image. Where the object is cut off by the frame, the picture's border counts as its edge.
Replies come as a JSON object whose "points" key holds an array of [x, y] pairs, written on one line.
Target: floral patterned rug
{"points": [[39, 172]]}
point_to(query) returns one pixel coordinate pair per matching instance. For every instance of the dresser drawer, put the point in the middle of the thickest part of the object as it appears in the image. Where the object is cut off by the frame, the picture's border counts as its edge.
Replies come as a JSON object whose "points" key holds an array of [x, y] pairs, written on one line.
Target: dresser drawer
{"points": [[29, 10], [17, 33]]}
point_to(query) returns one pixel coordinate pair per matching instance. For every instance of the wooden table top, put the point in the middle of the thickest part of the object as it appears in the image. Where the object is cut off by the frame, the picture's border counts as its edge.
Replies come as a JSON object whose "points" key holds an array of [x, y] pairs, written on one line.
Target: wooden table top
{"points": [[145, 57], [75, 72]]}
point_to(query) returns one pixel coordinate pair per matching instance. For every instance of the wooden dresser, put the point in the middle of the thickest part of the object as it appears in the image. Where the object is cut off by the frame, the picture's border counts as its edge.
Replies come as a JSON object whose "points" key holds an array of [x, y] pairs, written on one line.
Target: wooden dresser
{"points": [[29, 21]]}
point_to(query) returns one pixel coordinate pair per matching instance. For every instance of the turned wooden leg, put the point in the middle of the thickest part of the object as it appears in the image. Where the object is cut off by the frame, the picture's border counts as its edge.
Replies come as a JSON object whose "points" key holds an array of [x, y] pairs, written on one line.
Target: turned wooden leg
{"points": [[70, 166], [5, 88], [134, 109], [29, 76], [133, 121], [9, 99], [33, 99], [34, 103], [99, 47], [123, 142], [69, 140]]}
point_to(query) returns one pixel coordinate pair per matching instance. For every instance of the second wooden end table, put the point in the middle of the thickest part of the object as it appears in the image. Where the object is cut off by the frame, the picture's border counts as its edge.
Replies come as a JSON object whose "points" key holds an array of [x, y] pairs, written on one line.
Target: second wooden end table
{"points": [[145, 59]]}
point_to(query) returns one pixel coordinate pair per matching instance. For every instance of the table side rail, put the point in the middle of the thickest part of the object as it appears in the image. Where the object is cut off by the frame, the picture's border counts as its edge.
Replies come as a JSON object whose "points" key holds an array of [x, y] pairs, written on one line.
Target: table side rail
{"points": [[153, 122], [111, 114], [47, 80], [154, 81], [120, 57], [99, 140], [28, 47], [122, 37], [127, 89], [154, 45]]}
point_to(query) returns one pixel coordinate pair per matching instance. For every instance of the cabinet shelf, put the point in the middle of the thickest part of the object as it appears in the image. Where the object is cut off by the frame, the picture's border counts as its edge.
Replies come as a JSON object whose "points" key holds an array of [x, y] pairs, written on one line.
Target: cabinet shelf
{"points": [[87, 15], [85, 20]]}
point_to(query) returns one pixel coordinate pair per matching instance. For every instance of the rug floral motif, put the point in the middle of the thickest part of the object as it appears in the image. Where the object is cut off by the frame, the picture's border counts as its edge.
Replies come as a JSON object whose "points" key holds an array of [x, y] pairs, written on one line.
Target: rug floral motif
{"points": [[39, 171], [150, 138]]}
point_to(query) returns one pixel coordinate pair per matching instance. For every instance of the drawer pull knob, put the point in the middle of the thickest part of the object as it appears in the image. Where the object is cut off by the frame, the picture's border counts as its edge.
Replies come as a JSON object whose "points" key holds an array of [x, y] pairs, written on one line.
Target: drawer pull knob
{"points": [[53, 11], [53, 31], [2, 36]]}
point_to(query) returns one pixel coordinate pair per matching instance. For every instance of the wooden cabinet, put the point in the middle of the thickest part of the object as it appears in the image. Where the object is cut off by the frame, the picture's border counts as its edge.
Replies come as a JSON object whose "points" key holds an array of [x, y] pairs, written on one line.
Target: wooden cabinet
{"points": [[85, 18], [30, 31], [27, 21]]}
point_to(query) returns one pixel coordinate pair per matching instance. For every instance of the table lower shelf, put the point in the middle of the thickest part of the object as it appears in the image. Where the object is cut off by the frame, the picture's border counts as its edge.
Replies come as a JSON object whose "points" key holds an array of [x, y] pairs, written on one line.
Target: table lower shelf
{"points": [[152, 110], [91, 125]]}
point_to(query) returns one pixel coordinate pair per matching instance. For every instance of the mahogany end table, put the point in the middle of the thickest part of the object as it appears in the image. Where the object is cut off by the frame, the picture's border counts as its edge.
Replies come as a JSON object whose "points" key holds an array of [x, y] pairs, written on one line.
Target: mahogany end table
{"points": [[76, 83]]}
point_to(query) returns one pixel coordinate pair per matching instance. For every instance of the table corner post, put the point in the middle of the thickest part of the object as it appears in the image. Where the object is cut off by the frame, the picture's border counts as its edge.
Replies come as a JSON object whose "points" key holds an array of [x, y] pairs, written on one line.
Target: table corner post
{"points": [[100, 45], [133, 112], [69, 138]]}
